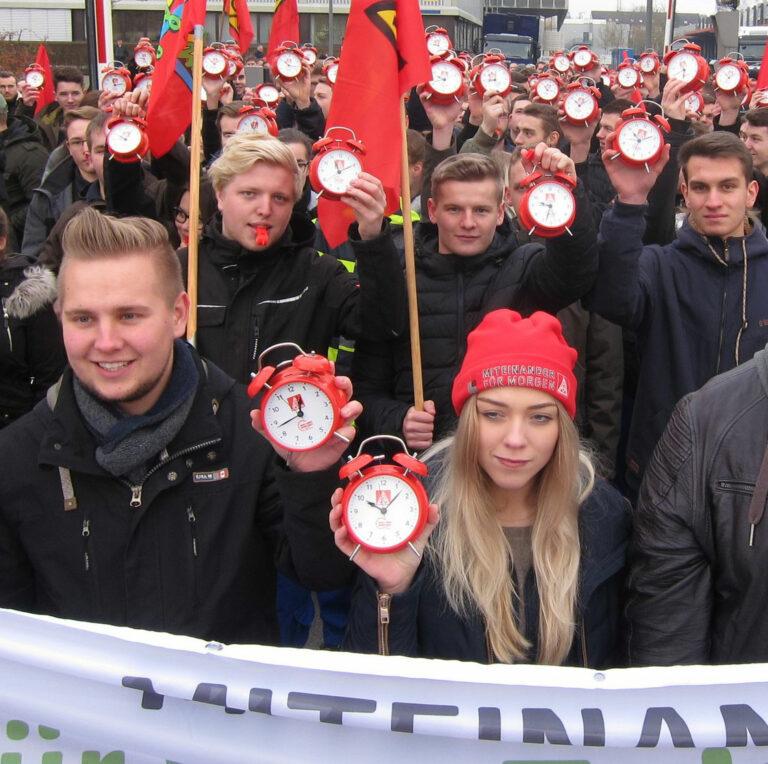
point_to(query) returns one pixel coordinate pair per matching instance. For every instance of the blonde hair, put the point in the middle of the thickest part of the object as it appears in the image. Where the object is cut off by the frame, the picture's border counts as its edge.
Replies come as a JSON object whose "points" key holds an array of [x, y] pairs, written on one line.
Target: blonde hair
{"points": [[475, 559], [91, 235], [244, 150]]}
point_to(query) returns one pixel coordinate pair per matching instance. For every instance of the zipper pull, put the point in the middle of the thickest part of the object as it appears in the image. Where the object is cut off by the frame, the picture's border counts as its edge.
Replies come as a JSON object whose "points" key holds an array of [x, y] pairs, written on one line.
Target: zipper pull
{"points": [[384, 600], [136, 495], [86, 533], [192, 521], [7, 326], [751, 534]]}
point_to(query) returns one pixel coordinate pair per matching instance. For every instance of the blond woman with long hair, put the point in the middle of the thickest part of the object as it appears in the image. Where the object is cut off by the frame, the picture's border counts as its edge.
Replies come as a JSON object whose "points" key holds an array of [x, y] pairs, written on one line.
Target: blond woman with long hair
{"points": [[526, 563]]}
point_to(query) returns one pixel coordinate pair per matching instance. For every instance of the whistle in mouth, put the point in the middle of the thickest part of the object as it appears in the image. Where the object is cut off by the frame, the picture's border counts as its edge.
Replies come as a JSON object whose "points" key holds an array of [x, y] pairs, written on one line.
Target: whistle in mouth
{"points": [[262, 236]]}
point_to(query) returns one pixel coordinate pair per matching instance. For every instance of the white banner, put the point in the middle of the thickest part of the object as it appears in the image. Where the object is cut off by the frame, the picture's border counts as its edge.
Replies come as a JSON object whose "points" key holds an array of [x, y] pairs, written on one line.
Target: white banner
{"points": [[73, 692]]}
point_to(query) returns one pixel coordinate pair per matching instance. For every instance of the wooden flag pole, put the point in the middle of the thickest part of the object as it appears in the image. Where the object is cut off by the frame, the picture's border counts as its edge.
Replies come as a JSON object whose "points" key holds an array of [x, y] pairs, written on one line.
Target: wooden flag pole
{"points": [[194, 183], [410, 267]]}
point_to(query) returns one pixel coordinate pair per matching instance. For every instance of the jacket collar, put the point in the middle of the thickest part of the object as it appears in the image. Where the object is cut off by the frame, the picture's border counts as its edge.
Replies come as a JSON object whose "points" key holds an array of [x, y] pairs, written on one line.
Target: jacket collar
{"points": [[730, 250]]}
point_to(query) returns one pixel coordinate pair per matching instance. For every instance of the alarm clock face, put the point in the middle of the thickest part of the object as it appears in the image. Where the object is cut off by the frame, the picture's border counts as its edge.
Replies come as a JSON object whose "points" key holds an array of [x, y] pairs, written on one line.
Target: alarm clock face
{"points": [[268, 94], [331, 73], [693, 102], [446, 78], [298, 415], [647, 64], [124, 138], [627, 77], [562, 64], [579, 105], [639, 140], [683, 66], [495, 77], [547, 90], [143, 58], [337, 168], [438, 44], [253, 123], [114, 83], [34, 79], [728, 77], [383, 512], [288, 64], [310, 56], [551, 204], [582, 57], [215, 63]]}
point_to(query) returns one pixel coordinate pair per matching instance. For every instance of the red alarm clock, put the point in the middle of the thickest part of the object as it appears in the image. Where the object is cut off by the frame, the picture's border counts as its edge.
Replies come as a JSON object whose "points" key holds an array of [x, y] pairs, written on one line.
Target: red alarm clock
{"points": [[331, 69], [309, 52], [649, 62], [337, 162], [127, 139], [34, 76], [581, 103], [438, 41], [117, 79], [694, 102], [287, 61], [627, 74], [384, 506], [491, 73], [560, 63], [584, 58], [686, 64], [266, 94], [301, 409], [260, 120], [639, 138], [548, 207], [447, 83], [143, 79], [732, 76], [547, 88], [144, 54], [215, 61], [235, 63]]}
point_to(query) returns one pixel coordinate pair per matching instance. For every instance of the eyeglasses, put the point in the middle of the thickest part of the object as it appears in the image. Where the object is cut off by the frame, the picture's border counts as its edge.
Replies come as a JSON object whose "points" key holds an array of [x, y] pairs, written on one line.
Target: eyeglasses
{"points": [[76, 143], [180, 215]]}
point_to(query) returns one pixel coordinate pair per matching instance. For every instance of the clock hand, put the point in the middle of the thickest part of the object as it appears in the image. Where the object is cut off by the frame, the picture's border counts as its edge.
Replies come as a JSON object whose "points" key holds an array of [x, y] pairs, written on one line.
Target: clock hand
{"points": [[393, 500], [296, 416]]}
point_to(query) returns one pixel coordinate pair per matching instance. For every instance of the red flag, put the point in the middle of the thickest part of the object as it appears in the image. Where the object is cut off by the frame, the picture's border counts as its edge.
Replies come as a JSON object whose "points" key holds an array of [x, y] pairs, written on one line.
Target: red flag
{"points": [[170, 102], [383, 57], [239, 20], [285, 25], [762, 77], [48, 93]]}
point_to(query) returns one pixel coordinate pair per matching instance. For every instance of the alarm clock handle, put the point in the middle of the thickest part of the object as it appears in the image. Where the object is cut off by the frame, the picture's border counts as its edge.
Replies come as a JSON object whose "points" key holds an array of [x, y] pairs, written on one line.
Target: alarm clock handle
{"points": [[278, 346]]}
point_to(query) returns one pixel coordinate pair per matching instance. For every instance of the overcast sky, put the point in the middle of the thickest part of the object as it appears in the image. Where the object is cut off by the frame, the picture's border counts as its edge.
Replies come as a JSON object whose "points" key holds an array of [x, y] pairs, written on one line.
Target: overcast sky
{"points": [[705, 7]]}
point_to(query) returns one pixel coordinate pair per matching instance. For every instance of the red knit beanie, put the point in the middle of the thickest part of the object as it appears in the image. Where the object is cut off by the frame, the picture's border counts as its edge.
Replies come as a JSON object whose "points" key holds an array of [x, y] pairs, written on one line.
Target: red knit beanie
{"points": [[506, 350]]}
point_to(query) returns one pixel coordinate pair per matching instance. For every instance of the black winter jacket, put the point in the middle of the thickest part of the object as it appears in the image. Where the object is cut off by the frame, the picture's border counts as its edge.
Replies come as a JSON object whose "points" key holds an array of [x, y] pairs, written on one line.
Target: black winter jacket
{"points": [[31, 348], [196, 556], [685, 302], [423, 625], [249, 301], [698, 587], [455, 292]]}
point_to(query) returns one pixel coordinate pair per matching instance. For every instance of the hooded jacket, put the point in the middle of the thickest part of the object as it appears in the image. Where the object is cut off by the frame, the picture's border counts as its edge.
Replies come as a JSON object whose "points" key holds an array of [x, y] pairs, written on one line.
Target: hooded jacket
{"points": [[698, 307], [455, 292], [190, 550], [421, 623], [25, 158], [31, 348], [249, 301], [697, 584]]}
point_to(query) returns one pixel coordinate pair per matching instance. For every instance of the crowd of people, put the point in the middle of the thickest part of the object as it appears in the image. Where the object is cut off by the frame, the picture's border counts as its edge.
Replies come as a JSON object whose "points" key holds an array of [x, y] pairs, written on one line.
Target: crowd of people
{"points": [[595, 422]]}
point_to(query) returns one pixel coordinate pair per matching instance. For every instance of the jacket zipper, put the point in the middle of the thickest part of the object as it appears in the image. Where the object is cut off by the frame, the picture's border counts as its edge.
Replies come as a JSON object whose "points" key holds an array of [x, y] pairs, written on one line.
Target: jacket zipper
{"points": [[192, 527], [136, 490], [7, 326], [86, 544], [736, 486], [461, 340], [722, 309], [584, 657], [383, 623], [255, 354]]}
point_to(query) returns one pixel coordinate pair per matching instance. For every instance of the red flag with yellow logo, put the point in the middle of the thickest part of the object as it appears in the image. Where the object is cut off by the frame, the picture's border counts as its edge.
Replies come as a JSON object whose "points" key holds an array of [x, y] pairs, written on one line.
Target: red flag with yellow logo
{"points": [[285, 25], [383, 57], [239, 25]]}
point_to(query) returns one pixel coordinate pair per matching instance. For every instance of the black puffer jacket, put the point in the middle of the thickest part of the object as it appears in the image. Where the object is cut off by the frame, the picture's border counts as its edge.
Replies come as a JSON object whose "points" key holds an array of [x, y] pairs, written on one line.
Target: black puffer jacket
{"points": [[455, 292], [31, 348], [698, 585], [197, 555], [423, 625], [249, 301]]}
